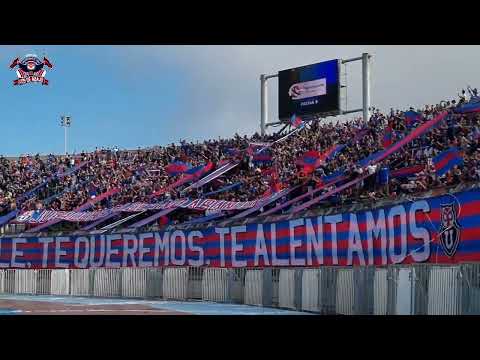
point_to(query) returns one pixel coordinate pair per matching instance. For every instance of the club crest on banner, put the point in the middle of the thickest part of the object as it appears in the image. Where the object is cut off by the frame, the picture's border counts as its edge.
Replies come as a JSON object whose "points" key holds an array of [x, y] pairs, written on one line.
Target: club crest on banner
{"points": [[30, 69], [450, 229]]}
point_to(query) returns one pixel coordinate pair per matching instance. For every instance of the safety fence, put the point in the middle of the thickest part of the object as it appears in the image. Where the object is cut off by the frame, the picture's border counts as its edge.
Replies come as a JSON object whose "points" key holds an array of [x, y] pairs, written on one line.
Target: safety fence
{"points": [[367, 290]]}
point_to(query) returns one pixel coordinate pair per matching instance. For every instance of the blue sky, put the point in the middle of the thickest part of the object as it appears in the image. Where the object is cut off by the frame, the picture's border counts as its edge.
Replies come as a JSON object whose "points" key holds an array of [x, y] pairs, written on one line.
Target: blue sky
{"points": [[109, 106], [130, 96]]}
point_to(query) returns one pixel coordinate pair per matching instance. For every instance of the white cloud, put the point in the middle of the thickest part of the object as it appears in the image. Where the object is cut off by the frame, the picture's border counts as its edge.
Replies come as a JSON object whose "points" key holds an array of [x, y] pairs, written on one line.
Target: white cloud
{"points": [[221, 88], [224, 87]]}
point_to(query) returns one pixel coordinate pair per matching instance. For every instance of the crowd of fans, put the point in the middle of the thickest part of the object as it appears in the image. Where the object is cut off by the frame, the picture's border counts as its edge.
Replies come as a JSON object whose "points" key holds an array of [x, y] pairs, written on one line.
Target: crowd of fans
{"points": [[140, 174]]}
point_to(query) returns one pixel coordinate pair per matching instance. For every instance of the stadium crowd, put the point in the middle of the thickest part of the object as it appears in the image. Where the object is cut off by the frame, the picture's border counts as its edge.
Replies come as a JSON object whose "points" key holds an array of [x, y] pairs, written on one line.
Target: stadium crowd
{"points": [[140, 175]]}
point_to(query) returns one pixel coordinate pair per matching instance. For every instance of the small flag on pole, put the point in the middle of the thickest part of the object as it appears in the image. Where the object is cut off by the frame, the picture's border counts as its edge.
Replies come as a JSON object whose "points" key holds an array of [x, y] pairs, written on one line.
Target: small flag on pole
{"points": [[334, 150], [310, 161], [296, 121], [387, 137], [411, 117]]}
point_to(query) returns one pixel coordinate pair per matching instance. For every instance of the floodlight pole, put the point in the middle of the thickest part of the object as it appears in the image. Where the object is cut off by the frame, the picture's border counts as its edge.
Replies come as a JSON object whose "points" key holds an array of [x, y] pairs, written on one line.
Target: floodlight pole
{"points": [[263, 102], [366, 85], [65, 122]]}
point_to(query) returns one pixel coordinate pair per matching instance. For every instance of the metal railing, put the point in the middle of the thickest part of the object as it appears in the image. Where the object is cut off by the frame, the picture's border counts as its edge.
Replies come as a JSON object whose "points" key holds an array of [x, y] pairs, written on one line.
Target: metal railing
{"points": [[367, 290]]}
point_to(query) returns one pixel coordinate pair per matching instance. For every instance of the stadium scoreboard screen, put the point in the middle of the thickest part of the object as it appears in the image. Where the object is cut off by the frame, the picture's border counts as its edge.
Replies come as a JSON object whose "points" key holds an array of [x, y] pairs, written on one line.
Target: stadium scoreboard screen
{"points": [[309, 90]]}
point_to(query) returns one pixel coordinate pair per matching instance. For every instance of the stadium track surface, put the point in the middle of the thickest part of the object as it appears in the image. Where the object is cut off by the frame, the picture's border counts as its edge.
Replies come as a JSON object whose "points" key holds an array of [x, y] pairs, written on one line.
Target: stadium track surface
{"points": [[66, 305]]}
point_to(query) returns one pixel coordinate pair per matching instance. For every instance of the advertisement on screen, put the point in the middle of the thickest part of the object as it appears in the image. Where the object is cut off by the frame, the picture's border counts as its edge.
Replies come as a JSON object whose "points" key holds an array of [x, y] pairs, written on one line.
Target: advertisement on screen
{"points": [[308, 90]]}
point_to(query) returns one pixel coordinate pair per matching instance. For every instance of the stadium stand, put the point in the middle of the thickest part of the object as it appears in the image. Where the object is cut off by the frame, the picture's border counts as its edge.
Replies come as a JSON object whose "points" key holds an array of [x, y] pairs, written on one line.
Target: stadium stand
{"points": [[314, 159]]}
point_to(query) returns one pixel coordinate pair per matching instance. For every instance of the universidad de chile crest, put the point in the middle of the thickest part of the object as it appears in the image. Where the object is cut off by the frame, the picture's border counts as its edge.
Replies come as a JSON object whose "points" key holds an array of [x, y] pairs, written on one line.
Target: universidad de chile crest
{"points": [[30, 69], [450, 229]]}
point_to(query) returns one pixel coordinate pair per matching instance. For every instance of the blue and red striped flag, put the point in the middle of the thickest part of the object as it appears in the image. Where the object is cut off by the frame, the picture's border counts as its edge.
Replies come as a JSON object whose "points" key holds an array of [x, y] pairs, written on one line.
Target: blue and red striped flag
{"points": [[387, 137], [407, 171], [222, 163], [200, 170], [262, 157], [176, 168], [446, 160], [411, 117], [337, 175], [371, 158], [296, 121], [232, 151], [470, 107], [334, 150], [476, 133], [310, 161], [256, 148]]}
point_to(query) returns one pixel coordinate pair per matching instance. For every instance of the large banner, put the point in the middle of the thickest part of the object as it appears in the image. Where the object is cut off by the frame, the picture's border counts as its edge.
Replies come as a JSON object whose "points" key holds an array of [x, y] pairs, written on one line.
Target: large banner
{"points": [[444, 229], [35, 216]]}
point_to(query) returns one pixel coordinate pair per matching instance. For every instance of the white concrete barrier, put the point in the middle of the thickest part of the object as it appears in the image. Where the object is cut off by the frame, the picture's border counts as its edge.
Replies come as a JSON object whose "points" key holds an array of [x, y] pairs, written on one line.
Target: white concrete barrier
{"points": [[345, 300], [134, 282], [215, 285], [310, 289], [404, 304], [327, 292], [380, 292], [25, 281], [43, 281], [60, 282], [175, 283], [80, 284], [194, 289], [237, 285], [154, 282], [286, 289], [2, 281], [107, 282], [444, 291], [9, 281], [254, 287]]}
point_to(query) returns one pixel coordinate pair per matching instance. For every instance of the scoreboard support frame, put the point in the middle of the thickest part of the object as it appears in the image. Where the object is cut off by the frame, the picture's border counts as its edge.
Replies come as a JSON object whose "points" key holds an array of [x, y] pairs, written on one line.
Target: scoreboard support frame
{"points": [[365, 59]]}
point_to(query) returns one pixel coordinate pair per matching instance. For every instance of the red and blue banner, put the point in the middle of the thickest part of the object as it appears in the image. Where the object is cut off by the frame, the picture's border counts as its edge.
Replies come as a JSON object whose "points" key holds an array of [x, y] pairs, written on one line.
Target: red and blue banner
{"points": [[443, 229], [446, 160], [407, 171], [262, 157], [79, 215], [373, 158], [387, 137], [334, 150], [411, 117], [198, 171], [6, 218], [313, 159], [471, 107], [177, 168], [219, 171], [310, 160], [333, 177]]}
